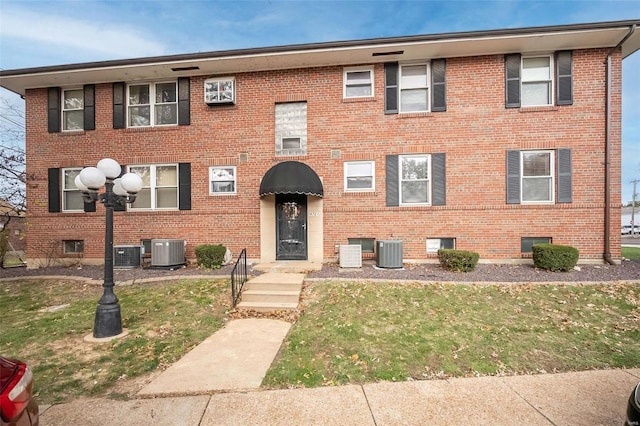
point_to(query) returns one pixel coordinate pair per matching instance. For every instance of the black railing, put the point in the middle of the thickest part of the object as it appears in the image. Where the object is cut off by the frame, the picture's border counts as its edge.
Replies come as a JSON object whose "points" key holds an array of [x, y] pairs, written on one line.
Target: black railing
{"points": [[238, 277]]}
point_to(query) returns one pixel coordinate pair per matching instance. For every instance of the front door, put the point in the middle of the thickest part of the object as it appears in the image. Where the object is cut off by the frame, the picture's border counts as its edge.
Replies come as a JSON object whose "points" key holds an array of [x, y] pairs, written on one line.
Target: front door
{"points": [[291, 227]]}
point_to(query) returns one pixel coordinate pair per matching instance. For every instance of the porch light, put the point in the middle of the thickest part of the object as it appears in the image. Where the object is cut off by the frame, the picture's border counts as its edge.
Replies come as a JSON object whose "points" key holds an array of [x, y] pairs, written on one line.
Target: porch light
{"points": [[118, 191]]}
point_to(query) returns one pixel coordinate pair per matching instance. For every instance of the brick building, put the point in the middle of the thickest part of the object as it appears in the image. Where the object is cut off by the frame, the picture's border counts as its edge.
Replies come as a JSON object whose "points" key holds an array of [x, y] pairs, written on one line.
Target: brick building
{"points": [[487, 141]]}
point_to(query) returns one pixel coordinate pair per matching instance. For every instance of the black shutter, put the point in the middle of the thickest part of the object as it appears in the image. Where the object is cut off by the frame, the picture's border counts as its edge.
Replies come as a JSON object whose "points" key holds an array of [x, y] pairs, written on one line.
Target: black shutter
{"points": [[392, 182], [120, 207], [564, 75], [53, 117], [439, 177], [391, 88], [54, 190], [90, 207], [119, 106], [513, 177], [184, 115], [564, 176], [89, 107], [512, 80], [184, 186], [438, 85]]}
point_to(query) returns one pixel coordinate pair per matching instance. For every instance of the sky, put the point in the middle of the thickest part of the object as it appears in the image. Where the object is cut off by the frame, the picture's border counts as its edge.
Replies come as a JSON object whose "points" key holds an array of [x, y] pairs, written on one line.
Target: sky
{"points": [[54, 32]]}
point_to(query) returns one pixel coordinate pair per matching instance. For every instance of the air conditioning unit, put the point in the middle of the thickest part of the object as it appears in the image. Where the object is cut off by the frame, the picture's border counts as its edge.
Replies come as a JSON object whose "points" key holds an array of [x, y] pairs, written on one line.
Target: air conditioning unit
{"points": [[127, 256], [389, 253], [351, 256], [168, 252]]}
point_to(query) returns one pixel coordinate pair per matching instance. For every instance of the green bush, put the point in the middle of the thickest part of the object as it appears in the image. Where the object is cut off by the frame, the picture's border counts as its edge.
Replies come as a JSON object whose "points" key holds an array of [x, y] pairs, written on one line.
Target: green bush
{"points": [[210, 256], [458, 260], [554, 257]]}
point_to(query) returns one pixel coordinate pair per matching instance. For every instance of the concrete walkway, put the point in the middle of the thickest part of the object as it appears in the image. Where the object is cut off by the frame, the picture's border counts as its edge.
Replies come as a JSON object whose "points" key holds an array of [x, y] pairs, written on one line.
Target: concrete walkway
{"points": [[582, 398], [235, 358]]}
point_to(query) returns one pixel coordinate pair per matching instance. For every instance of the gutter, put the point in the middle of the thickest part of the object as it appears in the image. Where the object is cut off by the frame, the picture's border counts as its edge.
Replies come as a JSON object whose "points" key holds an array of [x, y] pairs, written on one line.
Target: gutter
{"points": [[607, 153]]}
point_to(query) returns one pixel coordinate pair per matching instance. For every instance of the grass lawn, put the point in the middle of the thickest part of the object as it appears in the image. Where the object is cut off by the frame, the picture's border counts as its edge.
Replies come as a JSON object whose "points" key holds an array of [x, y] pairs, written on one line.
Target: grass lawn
{"points": [[349, 332], [360, 332], [631, 252], [165, 321]]}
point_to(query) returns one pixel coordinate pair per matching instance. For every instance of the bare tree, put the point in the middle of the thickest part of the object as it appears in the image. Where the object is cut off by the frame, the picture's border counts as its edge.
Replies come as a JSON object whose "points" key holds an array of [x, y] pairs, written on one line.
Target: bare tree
{"points": [[13, 176]]}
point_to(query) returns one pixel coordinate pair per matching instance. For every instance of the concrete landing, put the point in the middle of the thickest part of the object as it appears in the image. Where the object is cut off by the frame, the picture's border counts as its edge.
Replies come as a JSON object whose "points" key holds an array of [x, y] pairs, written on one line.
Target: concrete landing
{"points": [[289, 266], [236, 357]]}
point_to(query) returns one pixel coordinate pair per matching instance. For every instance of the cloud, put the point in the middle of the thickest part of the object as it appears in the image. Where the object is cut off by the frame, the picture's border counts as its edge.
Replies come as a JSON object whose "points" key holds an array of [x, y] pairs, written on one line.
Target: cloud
{"points": [[79, 39]]}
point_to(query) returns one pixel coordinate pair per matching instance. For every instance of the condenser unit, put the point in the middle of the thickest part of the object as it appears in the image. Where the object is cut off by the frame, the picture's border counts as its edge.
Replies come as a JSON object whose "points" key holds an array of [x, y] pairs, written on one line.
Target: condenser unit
{"points": [[351, 256], [168, 252], [127, 256], [389, 253]]}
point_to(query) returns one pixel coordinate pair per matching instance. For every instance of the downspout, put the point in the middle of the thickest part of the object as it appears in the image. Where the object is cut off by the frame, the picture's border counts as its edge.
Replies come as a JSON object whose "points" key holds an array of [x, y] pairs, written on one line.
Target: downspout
{"points": [[607, 154]]}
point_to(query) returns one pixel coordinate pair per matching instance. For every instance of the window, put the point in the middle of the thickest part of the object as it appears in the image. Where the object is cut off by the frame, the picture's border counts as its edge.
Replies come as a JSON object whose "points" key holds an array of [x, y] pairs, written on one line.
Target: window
{"points": [[435, 244], [359, 176], [159, 187], [291, 128], [414, 88], [414, 179], [72, 200], [537, 176], [223, 180], [527, 243], [537, 81], [73, 109], [367, 244], [73, 246], [152, 104], [358, 82], [220, 91]]}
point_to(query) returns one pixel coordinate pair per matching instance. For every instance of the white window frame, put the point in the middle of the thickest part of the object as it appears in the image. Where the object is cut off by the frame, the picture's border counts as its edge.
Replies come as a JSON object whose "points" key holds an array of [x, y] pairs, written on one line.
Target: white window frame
{"points": [[346, 84], [66, 190], [551, 176], [550, 80], [435, 244], [213, 179], [347, 176], [208, 90], [152, 103], [67, 110], [153, 187], [401, 180], [403, 88]]}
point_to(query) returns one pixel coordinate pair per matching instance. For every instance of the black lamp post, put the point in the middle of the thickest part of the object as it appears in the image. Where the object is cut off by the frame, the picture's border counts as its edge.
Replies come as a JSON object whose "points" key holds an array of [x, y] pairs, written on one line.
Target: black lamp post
{"points": [[118, 191]]}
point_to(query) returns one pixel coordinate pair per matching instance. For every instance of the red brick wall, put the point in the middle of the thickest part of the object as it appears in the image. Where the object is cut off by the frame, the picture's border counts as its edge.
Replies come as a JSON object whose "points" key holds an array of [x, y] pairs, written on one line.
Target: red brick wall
{"points": [[475, 132]]}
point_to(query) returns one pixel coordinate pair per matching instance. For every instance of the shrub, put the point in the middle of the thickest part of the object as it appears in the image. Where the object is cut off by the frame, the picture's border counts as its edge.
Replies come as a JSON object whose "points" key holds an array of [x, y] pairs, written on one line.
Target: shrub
{"points": [[554, 257], [458, 260], [210, 256]]}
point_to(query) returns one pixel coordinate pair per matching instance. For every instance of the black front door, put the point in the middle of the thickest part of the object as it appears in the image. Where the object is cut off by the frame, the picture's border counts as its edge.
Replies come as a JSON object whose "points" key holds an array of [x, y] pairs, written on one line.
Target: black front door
{"points": [[291, 227]]}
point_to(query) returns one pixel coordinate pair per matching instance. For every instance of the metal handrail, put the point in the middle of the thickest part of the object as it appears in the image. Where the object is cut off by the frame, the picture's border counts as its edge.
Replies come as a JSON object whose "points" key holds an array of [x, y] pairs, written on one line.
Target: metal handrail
{"points": [[238, 277]]}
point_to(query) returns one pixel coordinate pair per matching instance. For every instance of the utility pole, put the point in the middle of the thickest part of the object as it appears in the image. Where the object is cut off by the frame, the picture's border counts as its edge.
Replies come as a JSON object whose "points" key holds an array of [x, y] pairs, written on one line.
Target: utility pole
{"points": [[633, 207]]}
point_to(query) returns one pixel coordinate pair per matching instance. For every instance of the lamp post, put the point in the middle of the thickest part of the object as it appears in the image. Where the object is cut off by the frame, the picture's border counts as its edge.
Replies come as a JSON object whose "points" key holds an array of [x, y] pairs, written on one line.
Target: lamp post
{"points": [[118, 191]]}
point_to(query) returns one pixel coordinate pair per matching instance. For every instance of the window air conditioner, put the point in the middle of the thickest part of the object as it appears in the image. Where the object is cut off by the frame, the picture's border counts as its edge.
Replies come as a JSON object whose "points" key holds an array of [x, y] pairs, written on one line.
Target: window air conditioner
{"points": [[127, 256], [389, 253]]}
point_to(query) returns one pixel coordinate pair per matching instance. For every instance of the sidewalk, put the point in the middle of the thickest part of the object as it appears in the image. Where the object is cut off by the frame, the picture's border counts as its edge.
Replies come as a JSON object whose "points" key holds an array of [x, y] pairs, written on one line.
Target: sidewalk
{"points": [[582, 398]]}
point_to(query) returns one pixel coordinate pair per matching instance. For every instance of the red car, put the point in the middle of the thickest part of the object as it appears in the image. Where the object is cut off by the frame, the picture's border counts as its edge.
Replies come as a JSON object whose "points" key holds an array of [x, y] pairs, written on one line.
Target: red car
{"points": [[17, 405]]}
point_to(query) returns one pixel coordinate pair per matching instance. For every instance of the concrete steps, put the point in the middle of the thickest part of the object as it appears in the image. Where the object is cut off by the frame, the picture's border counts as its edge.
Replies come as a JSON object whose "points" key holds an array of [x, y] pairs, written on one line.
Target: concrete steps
{"points": [[273, 291]]}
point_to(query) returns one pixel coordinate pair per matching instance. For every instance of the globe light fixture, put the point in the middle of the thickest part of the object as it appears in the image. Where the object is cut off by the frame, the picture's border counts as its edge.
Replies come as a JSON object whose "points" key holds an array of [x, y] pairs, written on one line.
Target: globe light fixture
{"points": [[118, 191]]}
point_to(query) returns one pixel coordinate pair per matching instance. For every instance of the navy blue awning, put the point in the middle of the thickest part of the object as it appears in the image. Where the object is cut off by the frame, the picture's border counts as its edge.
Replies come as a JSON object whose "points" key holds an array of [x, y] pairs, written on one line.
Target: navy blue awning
{"points": [[291, 177]]}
